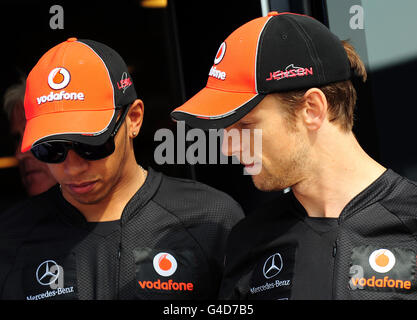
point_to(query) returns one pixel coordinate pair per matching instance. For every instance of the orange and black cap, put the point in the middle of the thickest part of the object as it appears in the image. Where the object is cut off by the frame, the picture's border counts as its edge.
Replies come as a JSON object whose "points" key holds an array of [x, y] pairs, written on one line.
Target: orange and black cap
{"points": [[73, 93], [276, 53]]}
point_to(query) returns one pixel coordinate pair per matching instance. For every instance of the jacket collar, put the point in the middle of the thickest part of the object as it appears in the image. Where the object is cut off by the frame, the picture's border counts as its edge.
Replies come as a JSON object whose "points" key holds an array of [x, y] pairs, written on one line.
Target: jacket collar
{"points": [[376, 191], [71, 215]]}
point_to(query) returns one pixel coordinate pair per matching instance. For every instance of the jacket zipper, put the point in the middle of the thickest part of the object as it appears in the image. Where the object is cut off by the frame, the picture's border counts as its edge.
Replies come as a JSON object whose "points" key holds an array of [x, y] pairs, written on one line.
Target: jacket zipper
{"points": [[334, 253], [119, 254]]}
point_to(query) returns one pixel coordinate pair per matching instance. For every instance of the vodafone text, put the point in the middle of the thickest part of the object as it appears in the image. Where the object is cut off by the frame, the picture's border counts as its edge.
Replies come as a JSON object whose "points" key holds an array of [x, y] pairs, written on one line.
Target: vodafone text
{"points": [[167, 285], [221, 75], [62, 95], [385, 282]]}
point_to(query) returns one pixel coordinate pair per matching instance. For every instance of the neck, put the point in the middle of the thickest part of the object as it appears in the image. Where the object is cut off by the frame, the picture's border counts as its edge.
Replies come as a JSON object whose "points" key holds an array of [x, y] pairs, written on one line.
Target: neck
{"points": [[111, 207], [341, 171]]}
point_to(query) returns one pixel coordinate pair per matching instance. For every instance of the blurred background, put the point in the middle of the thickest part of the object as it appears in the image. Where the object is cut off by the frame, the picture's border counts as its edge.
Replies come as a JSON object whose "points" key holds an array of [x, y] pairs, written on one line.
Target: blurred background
{"points": [[170, 45]]}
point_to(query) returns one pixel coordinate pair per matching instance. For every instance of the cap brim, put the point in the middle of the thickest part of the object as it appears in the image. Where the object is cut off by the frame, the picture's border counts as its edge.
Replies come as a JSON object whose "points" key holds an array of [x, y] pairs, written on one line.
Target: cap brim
{"points": [[85, 124], [213, 109]]}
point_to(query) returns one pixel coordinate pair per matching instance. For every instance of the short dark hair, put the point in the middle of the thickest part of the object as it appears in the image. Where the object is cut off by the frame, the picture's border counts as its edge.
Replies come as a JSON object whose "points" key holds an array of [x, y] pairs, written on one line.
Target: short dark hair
{"points": [[341, 96]]}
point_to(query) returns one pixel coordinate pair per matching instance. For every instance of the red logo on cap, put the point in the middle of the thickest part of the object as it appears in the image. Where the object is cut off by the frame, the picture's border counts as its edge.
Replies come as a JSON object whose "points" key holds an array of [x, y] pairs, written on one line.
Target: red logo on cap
{"points": [[124, 83], [220, 53], [291, 71], [59, 78]]}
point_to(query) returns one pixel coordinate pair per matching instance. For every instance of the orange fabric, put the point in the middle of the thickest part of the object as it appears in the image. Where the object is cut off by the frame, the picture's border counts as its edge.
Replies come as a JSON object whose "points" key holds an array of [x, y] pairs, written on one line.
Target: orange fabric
{"points": [[81, 122], [211, 102], [239, 59], [51, 104]]}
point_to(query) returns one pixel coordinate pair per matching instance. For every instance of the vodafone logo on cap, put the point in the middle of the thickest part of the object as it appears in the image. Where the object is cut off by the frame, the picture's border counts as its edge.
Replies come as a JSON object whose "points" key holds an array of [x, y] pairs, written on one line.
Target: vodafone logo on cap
{"points": [[165, 264], [59, 78], [214, 72], [220, 53]]}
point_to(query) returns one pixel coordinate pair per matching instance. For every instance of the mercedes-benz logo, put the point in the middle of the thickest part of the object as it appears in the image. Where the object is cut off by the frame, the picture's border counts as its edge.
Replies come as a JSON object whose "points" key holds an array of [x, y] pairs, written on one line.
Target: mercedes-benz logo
{"points": [[272, 266], [47, 272]]}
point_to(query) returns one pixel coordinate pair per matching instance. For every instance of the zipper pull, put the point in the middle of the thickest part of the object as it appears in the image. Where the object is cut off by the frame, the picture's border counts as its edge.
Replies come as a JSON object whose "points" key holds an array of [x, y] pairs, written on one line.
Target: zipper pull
{"points": [[334, 249], [119, 252]]}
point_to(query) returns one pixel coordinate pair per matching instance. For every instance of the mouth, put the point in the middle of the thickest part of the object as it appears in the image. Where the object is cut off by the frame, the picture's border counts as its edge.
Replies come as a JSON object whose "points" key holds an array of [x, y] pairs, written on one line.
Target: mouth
{"points": [[81, 188], [252, 168]]}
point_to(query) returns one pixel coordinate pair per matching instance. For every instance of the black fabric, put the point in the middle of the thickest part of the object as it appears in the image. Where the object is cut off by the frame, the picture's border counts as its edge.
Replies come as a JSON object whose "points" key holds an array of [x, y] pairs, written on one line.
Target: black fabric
{"points": [[293, 42], [124, 92], [332, 255], [115, 260]]}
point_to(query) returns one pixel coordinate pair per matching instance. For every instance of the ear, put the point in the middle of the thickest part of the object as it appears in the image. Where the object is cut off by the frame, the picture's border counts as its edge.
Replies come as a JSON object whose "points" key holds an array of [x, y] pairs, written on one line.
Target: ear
{"points": [[314, 111], [135, 118]]}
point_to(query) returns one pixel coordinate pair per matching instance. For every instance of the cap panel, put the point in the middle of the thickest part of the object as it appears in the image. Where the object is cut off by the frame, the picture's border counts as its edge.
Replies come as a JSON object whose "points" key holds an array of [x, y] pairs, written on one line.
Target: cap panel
{"points": [[330, 52], [240, 50], [298, 52], [88, 87], [123, 88], [284, 60]]}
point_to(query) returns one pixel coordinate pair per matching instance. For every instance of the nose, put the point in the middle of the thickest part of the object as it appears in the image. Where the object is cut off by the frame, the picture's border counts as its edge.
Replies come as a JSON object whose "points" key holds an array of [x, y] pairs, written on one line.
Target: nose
{"points": [[231, 144], [74, 164]]}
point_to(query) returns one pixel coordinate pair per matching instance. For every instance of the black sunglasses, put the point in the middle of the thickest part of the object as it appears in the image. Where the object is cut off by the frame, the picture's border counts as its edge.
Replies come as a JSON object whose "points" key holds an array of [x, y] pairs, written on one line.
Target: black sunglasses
{"points": [[55, 151]]}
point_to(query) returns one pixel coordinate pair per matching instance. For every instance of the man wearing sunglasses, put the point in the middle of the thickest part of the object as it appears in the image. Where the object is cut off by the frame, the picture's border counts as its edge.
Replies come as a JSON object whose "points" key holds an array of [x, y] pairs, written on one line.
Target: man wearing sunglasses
{"points": [[110, 229]]}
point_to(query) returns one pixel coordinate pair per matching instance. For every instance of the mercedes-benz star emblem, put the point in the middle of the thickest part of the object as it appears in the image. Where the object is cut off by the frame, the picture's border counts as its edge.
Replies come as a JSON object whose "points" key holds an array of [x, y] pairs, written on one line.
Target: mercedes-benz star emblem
{"points": [[47, 272], [272, 266]]}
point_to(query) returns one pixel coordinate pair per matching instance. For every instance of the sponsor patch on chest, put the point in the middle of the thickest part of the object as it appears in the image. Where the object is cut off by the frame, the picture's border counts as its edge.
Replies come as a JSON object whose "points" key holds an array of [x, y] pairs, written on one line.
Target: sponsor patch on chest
{"points": [[382, 269], [273, 275]]}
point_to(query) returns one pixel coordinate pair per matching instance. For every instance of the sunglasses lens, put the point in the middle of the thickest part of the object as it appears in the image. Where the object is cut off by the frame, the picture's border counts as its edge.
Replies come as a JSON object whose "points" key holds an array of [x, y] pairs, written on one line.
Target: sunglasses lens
{"points": [[90, 152], [50, 152], [56, 151]]}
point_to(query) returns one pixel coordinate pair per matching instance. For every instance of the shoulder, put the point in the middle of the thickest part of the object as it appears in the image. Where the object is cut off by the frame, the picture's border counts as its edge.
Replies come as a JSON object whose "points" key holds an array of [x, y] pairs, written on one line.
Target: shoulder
{"points": [[401, 199], [206, 214], [189, 199], [401, 193]]}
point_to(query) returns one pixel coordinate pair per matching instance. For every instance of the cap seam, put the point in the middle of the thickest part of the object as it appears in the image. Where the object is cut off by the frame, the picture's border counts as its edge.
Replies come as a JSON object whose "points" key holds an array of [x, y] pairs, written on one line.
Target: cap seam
{"points": [[220, 115], [108, 74], [311, 48], [65, 111], [60, 103], [258, 46], [231, 91], [67, 133], [105, 66]]}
